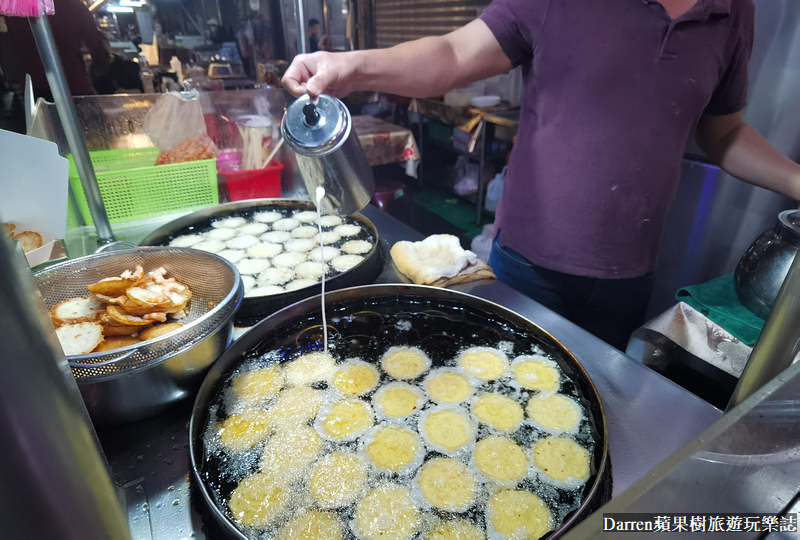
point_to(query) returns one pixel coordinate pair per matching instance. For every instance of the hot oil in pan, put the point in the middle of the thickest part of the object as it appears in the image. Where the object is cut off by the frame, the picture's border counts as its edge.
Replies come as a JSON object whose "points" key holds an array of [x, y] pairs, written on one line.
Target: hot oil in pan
{"points": [[366, 329]]}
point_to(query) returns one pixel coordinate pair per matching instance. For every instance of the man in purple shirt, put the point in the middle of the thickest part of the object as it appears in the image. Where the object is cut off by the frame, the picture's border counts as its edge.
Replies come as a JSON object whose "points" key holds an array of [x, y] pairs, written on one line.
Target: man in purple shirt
{"points": [[614, 90]]}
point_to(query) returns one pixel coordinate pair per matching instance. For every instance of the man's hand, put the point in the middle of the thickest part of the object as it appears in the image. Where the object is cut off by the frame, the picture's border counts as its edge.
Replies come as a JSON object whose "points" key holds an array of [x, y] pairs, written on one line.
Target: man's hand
{"points": [[313, 74]]}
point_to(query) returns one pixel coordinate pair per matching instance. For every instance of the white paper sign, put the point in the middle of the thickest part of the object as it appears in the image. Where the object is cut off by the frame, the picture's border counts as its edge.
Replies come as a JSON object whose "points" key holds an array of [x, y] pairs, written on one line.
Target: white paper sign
{"points": [[33, 189]]}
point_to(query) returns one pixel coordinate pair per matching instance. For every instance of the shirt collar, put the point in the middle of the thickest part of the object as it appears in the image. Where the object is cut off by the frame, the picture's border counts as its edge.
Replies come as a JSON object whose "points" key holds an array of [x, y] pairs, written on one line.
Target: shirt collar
{"points": [[709, 7], [718, 7]]}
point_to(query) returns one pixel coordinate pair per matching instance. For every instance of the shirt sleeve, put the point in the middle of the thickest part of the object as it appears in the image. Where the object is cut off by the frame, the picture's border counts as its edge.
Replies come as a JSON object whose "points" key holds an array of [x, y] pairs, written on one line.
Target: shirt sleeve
{"points": [[516, 24], [730, 95]]}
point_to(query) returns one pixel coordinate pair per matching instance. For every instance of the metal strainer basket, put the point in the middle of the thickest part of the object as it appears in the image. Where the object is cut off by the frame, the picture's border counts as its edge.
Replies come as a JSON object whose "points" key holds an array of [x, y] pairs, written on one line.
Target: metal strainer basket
{"points": [[172, 363]]}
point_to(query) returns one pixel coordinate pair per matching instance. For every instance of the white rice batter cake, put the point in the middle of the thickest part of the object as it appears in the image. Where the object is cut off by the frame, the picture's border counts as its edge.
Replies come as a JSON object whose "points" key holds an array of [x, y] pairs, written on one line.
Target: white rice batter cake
{"points": [[252, 266], [253, 229], [311, 270], [306, 231], [330, 221], [223, 233], [357, 247], [286, 224], [264, 250], [243, 241], [347, 229], [300, 284], [187, 240], [233, 255], [231, 222], [276, 276], [289, 259], [267, 217], [343, 263], [212, 246], [300, 244], [276, 237], [264, 290]]}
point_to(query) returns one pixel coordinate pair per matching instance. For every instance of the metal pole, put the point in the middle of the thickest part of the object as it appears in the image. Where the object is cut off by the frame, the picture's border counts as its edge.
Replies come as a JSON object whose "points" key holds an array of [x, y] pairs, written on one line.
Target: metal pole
{"points": [[72, 128], [301, 21], [55, 481], [778, 343], [481, 182], [326, 17]]}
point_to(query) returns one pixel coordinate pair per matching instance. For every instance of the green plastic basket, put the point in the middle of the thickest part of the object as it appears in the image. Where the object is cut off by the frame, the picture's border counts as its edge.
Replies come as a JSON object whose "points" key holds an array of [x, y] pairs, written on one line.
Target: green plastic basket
{"points": [[133, 188]]}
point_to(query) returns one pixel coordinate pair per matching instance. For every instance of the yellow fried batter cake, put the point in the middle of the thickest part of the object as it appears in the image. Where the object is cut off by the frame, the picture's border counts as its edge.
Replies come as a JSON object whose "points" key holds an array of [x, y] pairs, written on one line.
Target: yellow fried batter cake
{"points": [[346, 420], [312, 524], [258, 385], [448, 386], [561, 459], [405, 362], [387, 513], [257, 501], [536, 373], [289, 452], [556, 412], [295, 406], [518, 514], [447, 430], [356, 377], [455, 529], [498, 411], [241, 432], [310, 368], [397, 400], [500, 458], [484, 363], [337, 480], [393, 448], [447, 484]]}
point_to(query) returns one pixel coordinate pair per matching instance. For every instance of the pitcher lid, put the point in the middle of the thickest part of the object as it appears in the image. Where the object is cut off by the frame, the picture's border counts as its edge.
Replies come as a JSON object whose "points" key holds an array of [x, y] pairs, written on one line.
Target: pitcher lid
{"points": [[316, 127]]}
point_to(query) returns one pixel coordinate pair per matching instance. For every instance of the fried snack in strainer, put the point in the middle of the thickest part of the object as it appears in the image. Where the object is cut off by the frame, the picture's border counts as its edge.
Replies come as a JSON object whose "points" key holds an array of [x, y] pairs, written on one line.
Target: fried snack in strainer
{"points": [[149, 298], [124, 317], [116, 286], [159, 330], [117, 342]]}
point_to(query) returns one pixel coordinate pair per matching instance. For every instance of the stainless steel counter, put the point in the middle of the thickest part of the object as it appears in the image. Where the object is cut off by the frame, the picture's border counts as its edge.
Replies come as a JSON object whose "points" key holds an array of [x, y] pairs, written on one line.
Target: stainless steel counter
{"points": [[649, 417]]}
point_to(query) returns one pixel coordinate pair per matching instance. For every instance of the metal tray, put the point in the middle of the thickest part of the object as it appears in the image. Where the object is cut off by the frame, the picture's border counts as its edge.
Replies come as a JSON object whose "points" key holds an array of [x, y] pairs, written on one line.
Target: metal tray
{"points": [[254, 309], [472, 321]]}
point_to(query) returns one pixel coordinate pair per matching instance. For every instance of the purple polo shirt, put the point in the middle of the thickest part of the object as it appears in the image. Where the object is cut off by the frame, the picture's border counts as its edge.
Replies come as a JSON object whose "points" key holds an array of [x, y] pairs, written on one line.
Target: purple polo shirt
{"points": [[613, 92]]}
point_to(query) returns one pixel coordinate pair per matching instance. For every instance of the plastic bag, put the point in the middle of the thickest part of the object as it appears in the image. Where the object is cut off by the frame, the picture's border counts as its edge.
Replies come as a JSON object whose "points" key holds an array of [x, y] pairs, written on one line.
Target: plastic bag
{"points": [[482, 244], [495, 190], [468, 173], [26, 8], [176, 126]]}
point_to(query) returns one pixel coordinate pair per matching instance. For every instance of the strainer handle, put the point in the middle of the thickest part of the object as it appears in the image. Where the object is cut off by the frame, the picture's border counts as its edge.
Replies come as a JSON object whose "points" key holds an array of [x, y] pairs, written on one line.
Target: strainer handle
{"points": [[100, 364], [104, 247]]}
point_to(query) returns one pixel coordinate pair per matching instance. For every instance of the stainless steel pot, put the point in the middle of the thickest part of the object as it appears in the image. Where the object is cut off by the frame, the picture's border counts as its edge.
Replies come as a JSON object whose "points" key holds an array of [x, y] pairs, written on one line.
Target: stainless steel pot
{"points": [[255, 308], [139, 381], [328, 153], [761, 271]]}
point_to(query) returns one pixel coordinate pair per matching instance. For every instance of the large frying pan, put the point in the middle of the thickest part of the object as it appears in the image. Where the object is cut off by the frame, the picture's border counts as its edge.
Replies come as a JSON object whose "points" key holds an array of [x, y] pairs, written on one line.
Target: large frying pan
{"points": [[363, 322], [254, 309]]}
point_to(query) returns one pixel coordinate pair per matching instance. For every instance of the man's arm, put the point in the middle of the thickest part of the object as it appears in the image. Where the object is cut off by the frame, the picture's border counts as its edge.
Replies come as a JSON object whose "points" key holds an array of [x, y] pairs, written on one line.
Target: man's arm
{"points": [[740, 151], [426, 67]]}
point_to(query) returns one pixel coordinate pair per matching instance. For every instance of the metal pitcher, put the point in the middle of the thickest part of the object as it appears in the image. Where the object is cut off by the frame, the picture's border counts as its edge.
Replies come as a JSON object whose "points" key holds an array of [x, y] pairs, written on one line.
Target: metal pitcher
{"points": [[320, 132], [761, 271]]}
